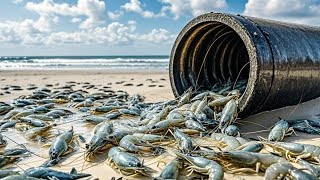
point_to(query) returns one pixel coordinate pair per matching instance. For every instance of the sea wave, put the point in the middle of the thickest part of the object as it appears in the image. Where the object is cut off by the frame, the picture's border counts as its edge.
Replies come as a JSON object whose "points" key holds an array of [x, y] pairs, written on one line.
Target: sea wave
{"points": [[143, 62]]}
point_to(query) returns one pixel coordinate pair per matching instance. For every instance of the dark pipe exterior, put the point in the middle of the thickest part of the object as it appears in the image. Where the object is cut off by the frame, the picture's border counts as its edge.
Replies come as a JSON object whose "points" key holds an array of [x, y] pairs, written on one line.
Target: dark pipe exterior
{"points": [[283, 58]]}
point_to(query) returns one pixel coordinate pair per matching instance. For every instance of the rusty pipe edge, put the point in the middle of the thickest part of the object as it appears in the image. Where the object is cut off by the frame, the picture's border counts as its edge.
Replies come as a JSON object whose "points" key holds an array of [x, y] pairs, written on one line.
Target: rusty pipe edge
{"points": [[279, 60]]}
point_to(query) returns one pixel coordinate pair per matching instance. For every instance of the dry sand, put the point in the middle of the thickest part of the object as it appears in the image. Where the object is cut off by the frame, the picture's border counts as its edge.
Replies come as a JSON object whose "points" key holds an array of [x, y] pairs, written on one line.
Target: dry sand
{"points": [[160, 91]]}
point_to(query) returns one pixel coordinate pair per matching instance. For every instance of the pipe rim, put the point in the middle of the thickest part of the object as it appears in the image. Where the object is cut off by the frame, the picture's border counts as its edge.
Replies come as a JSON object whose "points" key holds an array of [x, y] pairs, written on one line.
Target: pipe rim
{"points": [[239, 28]]}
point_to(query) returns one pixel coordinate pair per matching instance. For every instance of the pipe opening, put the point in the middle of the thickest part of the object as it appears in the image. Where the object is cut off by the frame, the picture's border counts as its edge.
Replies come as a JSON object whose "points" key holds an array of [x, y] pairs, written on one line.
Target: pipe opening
{"points": [[212, 53]]}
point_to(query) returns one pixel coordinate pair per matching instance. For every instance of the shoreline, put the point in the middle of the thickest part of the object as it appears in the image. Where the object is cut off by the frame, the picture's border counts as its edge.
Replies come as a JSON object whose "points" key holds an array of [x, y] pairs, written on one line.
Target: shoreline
{"points": [[91, 70], [94, 63]]}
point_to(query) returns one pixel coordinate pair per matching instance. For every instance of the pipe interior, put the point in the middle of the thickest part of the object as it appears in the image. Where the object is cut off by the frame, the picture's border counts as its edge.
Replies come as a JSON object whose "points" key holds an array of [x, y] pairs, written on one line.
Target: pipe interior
{"points": [[212, 53]]}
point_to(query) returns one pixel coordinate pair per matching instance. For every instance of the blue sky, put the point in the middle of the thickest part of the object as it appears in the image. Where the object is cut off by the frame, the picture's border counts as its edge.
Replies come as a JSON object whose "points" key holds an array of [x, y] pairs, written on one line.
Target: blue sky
{"points": [[122, 27]]}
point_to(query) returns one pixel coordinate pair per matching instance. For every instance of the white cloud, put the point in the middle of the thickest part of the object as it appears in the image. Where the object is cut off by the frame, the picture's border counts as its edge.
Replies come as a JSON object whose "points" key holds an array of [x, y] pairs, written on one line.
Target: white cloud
{"points": [[76, 20], [94, 10], [135, 6], [202, 6], [193, 7], [115, 15], [66, 38], [306, 11], [113, 34], [45, 21], [157, 36], [25, 33], [93, 30], [149, 14]]}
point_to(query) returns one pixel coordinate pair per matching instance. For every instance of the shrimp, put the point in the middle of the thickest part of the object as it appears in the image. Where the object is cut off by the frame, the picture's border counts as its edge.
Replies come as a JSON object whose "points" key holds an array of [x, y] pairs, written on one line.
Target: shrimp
{"points": [[280, 129], [203, 166], [171, 171], [229, 114], [100, 138], [296, 150], [230, 142], [59, 147], [126, 163], [135, 144], [38, 132], [185, 142], [244, 161]]}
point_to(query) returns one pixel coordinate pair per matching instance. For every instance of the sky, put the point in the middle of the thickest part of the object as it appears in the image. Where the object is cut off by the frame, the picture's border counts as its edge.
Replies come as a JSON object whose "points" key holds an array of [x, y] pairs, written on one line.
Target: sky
{"points": [[122, 27]]}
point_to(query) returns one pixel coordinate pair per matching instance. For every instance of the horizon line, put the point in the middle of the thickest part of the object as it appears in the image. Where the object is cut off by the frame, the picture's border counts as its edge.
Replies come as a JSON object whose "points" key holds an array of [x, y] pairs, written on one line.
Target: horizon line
{"points": [[80, 55]]}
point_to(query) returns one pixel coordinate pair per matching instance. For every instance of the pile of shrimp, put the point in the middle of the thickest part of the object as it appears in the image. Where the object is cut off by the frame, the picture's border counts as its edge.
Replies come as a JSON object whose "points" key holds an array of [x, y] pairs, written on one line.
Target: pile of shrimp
{"points": [[197, 130]]}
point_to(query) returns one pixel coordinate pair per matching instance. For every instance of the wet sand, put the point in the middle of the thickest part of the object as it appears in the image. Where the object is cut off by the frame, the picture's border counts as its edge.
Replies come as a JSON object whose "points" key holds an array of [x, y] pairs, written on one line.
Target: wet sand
{"points": [[155, 86]]}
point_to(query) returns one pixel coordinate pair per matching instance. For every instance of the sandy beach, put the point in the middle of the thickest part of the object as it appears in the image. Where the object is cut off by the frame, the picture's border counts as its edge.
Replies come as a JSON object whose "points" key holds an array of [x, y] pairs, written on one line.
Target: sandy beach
{"points": [[155, 86]]}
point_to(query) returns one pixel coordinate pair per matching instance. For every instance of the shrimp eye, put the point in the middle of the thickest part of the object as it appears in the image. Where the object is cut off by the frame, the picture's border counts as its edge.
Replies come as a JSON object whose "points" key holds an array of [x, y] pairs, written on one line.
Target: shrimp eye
{"points": [[53, 154], [226, 153], [87, 146]]}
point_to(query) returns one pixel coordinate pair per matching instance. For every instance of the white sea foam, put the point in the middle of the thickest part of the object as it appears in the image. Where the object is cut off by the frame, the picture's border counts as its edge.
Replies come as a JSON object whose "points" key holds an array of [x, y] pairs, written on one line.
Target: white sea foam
{"points": [[136, 62]]}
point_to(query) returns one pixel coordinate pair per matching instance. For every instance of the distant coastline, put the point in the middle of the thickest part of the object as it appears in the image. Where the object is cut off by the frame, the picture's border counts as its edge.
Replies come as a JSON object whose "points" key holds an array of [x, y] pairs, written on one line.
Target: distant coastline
{"points": [[150, 62]]}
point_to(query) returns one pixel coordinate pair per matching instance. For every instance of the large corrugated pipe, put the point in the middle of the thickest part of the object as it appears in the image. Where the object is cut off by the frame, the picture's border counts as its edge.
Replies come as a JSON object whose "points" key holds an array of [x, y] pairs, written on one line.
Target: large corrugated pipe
{"points": [[280, 60]]}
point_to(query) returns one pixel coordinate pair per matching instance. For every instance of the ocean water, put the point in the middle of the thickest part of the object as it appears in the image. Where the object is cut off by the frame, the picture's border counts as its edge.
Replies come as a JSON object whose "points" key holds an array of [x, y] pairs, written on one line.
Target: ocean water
{"points": [[84, 62]]}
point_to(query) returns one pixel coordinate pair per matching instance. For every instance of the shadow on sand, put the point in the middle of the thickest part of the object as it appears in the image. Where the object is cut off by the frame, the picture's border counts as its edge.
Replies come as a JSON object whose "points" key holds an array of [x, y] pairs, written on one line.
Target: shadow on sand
{"points": [[260, 124]]}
